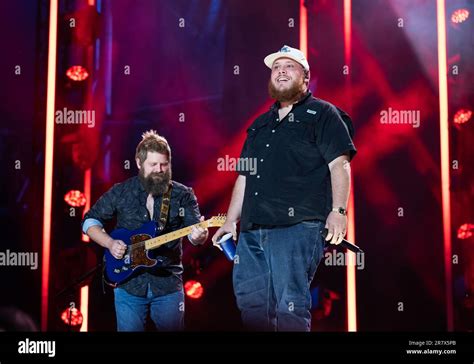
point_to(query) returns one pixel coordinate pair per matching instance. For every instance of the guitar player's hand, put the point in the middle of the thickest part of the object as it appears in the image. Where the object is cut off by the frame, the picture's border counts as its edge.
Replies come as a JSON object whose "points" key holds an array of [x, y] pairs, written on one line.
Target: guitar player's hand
{"points": [[228, 227], [198, 234], [117, 248]]}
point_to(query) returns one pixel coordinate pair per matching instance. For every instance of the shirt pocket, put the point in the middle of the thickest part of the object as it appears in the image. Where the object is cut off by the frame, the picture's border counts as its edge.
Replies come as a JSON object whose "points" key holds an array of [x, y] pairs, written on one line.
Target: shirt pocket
{"points": [[252, 134], [131, 217], [300, 132]]}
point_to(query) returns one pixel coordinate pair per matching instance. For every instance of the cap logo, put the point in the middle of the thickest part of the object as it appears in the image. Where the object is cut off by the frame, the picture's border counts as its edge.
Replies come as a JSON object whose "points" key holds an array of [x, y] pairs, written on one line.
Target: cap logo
{"points": [[285, 49]]}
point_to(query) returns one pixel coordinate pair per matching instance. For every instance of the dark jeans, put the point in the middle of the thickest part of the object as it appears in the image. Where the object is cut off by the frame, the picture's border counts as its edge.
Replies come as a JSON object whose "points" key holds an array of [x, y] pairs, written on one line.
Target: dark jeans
{"points": [[273, 270]]}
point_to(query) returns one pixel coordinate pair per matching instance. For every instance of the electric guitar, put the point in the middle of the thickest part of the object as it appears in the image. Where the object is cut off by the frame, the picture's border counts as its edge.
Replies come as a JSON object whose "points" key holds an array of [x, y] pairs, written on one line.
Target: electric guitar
{"points": [[139, 243]]}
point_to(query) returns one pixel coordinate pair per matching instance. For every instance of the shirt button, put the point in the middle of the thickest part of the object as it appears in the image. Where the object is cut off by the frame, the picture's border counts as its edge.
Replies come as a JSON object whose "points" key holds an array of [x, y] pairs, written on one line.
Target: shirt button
{"points": [[258, 176], [267, 145], [278, 119], [273, 130], [261, 160], [256, 193]]}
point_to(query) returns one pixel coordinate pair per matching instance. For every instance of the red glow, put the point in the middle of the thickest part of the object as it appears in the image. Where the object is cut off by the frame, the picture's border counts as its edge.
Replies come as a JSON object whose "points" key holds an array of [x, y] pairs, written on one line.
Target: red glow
{"points": [[77, 73], [75, 198], [459, 16], [445, 160], [351, 269], [72, 317], [462, 116], [465, 231], [48, 161], [303, 28], [193, 289]]}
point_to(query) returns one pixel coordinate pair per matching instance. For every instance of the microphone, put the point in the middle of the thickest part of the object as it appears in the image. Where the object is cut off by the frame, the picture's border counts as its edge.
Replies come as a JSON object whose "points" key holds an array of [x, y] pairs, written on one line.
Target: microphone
{"points": [[344, 243]]}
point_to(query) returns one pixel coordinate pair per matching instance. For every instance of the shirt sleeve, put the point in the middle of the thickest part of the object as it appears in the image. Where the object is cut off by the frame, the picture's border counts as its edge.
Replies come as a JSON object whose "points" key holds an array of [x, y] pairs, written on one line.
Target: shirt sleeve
{"points": [[244, 154], [191, 208], [103, 210], [89, 223], [333, 134]]}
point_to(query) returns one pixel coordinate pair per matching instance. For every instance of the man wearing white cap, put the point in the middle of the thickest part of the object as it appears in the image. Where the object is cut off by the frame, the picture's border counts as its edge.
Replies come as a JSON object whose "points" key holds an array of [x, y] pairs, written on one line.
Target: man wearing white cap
{"points": [[303, 147]]}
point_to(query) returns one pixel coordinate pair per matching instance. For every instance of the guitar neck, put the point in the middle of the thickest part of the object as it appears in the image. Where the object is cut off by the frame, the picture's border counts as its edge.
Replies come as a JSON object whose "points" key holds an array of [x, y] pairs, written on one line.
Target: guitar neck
{"points": [[166, 238]]}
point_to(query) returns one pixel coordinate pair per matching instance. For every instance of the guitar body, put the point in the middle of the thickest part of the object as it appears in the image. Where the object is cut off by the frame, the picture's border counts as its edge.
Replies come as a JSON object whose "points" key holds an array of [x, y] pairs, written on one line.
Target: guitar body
{"points": [[135, 257], [139, 243]]}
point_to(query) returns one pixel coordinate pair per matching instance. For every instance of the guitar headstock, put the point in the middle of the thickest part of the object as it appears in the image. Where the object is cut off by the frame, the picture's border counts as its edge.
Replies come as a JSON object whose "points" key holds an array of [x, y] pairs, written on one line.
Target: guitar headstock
{"points": [[217, 221]]}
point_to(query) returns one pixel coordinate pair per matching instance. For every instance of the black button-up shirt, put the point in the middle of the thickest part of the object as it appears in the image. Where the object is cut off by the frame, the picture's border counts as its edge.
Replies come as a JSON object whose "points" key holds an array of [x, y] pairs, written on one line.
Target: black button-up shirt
{"points": [[127, 201], [291, 182]]}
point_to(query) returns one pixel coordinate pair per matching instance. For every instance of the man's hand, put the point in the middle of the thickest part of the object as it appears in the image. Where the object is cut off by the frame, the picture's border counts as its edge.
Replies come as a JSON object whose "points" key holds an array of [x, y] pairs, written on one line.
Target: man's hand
{"points": [[336, 225], [228, 227], [198, 234], [117, 248]]}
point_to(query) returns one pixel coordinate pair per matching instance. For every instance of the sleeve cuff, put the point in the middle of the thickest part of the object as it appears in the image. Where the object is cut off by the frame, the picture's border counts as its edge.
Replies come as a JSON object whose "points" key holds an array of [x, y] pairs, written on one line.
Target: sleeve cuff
{"points": [[190, 240], [90, 222]]}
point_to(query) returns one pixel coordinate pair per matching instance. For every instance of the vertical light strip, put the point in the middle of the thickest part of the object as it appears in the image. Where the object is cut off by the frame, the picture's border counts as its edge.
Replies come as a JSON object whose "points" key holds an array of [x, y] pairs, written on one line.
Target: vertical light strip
{"points": [[445, 164], [351, 271], [85, 290], [48, 161], [303, 29], [351, 265], [85, 307], [87, 194], [347, 31], [108, 53]]}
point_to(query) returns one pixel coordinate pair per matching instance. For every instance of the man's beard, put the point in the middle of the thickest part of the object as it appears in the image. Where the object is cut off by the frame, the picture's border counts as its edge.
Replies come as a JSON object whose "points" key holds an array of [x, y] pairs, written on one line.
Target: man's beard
{"points": [[155, 183], [294, 93]]}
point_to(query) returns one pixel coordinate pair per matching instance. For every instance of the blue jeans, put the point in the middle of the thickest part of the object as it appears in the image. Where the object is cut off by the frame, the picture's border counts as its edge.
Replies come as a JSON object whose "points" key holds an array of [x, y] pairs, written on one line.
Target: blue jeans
{"points": [[167, 312], [273, 270]]}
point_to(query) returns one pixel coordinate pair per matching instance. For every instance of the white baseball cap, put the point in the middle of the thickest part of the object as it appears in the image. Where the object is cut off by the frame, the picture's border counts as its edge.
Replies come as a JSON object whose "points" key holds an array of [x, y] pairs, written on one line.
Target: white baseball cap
{"points": [[287, 52]]}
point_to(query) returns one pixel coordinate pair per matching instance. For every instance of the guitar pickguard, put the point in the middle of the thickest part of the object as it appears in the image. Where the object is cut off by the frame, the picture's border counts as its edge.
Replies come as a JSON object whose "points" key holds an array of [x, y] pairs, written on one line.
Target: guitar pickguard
{"points": [[138, 254]]}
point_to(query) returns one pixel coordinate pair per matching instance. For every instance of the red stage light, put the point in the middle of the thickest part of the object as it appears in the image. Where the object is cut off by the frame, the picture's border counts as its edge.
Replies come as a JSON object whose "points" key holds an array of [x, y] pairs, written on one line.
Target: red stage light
{"points": [[72, 317], [75, 198], [465, 231], [193, 289], [462, 116], [77, 73], [460, 15]]}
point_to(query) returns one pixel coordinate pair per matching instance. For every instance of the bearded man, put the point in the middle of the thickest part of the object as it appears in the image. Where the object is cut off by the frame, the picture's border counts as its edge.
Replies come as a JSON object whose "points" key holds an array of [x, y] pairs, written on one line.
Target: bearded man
{"points": [[302, 147], [158, 291]]}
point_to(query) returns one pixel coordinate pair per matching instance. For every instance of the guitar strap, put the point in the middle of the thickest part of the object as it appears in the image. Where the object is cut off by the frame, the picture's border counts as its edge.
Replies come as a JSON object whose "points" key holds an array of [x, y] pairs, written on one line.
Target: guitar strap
{"points": [[165, 208]]}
